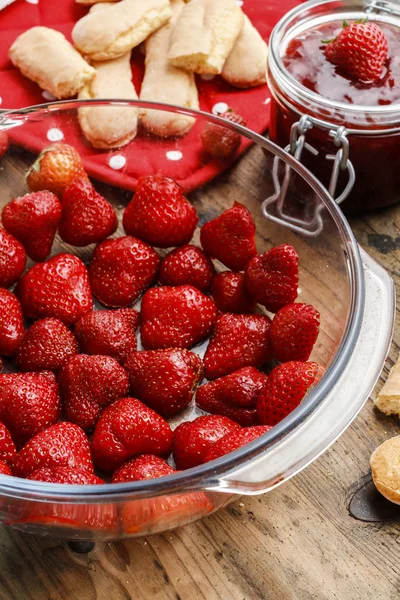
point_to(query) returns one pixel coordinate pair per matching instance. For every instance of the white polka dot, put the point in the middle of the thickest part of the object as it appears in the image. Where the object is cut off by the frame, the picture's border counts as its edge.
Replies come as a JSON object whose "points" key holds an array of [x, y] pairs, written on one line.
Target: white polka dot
{"points": [[207, 76], [220, 108], [1, 100], [174, 155], [117, 162], [267, 101], [48, 96], [55, 135], [32, 1], [239, 2]]}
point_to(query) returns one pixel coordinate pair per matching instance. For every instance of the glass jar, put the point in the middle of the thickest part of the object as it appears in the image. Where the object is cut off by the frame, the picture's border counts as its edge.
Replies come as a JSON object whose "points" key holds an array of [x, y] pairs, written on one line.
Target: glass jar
{"points": [[369, 136]]}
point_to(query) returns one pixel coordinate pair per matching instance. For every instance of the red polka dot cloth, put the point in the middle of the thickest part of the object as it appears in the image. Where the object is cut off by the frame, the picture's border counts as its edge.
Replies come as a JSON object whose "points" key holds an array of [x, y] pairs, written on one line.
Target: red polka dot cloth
{"points": [[183, 159]]}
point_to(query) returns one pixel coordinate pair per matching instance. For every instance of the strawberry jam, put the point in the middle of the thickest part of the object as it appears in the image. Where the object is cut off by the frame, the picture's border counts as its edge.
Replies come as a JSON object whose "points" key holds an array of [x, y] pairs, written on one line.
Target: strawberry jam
{"points": [[303, 81]]}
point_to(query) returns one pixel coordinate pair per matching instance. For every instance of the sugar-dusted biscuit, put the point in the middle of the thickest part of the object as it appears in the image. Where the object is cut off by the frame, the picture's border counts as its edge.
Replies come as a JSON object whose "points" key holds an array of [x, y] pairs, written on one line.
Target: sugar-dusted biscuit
{"points": [[165, 83], [246, 65], [45, 56], [110, 126], [205, 34], [388, 399], [128, 24], [385, 467]]}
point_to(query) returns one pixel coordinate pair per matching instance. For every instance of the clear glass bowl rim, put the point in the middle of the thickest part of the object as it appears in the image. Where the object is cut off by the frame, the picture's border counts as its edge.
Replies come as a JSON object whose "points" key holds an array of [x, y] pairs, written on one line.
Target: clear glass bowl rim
{"points": [[207, 475]]}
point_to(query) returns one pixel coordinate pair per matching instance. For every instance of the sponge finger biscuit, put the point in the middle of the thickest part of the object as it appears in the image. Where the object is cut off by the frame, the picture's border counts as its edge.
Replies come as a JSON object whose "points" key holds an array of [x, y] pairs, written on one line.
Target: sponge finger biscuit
{"points": [[385, 466]]}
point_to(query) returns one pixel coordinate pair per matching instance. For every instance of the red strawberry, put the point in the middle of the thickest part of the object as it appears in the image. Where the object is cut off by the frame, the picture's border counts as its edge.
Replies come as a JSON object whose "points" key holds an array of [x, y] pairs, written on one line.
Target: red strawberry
{"points": [[33, 219], [175, 317], [121, 270], [61, 445], [87, 217], [230, 238], [238, 341], [108, 332], [159, 213], [46, 346], [165, 380], [187, 265], [146, 466], [221, 141], [3, 143], [361, 50], [286, 387], [293, 332], [11, 323], [7, 446], [234, 396], [54, 169], [128, 428], [12, 259], [29, 403], [57, 288], [71, 475], [192, 440], [231, 442], [230, 294], [88, 384], [4, 469], [272, 278]]}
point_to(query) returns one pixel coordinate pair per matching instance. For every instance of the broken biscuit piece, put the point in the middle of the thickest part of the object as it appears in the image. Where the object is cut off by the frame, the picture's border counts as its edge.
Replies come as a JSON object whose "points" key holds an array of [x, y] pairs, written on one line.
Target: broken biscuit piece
{"points": [[128, 24], [385, 467], [388, 399], [45, 56], [165, 83], [246, 65], [109, 127], [205, 34]]}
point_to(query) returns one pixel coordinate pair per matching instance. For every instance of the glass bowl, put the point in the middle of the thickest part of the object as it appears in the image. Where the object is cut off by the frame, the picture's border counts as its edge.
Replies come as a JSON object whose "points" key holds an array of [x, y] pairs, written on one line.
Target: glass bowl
{"points": [[353, 294]]}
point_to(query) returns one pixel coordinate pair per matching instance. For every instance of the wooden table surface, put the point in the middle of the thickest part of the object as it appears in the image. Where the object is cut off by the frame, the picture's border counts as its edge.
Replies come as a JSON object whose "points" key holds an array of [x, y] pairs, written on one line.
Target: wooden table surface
{"points": [[297, 542]]}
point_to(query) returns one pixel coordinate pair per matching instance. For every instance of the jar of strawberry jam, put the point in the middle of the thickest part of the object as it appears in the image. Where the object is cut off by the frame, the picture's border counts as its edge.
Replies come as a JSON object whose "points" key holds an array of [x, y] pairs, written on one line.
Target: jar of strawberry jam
{"points": [[346, 130]]}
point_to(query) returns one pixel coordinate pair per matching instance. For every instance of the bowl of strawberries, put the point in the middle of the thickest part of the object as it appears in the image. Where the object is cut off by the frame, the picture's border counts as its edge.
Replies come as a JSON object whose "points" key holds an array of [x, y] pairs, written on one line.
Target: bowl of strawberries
{"points": [[170, 338]]}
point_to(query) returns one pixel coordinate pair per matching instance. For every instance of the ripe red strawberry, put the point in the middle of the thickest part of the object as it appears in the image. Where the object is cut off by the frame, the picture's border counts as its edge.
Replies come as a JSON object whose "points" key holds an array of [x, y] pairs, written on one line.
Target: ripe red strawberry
{"points": [[146, 466], [272, 278], [33, 219], [187, 265], [159, 213], [219, 140], [61, 445], [29, 403], [71, 475], [46, 346], [294, 331], [7, 446], [128, 428], [165, 380], [234, 396], [108, 332], [121, 270], [192, 440], [54, 169], [230, 238], [286, 387], [88, 384], [12, 259], [175, 317], [86, 217], [3, 143], [238, 341], [230, 443], [230, 294], [11, 323], [361, 50], [58, 288], [4, 469]]}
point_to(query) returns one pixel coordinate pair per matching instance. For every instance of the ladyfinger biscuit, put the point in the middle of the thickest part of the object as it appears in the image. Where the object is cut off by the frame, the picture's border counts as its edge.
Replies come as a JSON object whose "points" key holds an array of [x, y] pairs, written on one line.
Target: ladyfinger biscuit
{"points": [[45, 56], [128, 24], [110, 126], [246, 65], [385, 467], [388, 399], [205, 34], [165, 83]]}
